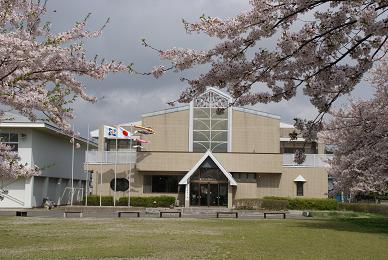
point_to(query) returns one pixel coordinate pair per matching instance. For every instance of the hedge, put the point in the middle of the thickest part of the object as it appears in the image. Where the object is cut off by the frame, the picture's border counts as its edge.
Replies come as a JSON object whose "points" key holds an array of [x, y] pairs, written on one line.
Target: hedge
{"points": [[363, 207], [155, 201], [274, 204], [308, 203]]}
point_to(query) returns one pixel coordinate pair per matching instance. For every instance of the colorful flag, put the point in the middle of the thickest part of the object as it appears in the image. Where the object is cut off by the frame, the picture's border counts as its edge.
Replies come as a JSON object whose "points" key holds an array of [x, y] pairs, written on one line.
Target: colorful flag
{"points": [[110, 132]]}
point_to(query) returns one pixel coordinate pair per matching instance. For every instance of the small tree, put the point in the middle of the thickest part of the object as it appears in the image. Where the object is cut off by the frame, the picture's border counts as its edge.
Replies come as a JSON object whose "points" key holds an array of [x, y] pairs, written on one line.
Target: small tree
{"points": [[360, 135], [39, 69]]}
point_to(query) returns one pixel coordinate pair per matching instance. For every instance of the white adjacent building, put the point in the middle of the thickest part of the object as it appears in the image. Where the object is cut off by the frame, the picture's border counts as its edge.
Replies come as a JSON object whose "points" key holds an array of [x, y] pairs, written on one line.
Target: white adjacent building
{"points": [[44, 145]]}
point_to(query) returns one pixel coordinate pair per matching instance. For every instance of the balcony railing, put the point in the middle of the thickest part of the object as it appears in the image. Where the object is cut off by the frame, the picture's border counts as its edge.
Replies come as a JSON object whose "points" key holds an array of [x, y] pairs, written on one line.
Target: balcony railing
{"points": [[312, 160], [110, 157]]}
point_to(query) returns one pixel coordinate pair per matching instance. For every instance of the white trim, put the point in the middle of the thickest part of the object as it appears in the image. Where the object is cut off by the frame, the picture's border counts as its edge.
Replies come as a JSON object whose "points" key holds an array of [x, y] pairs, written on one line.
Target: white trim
{"points": [[285, 125], [255, 112], [185, 179], [219, 92], [230, 127], [42, 126], [288, 139], [191, 125], [166, 111], [300, 179]]}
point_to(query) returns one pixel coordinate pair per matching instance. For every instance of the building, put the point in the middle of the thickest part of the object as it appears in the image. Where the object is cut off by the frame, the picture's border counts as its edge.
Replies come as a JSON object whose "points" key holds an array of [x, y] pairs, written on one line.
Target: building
{"points": [[42, 144], [209, 154]]}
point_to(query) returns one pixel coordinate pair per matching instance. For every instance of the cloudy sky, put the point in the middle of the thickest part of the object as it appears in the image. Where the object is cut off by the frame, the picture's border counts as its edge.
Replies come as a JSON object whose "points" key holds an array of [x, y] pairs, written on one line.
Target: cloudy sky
{"points": [[123, 97]]}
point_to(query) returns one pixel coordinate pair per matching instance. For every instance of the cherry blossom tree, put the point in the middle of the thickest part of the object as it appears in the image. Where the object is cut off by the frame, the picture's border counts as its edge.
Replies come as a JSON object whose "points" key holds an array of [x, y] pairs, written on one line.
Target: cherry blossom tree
{"points": [[360, 135], [324, 47], [40, 70]]}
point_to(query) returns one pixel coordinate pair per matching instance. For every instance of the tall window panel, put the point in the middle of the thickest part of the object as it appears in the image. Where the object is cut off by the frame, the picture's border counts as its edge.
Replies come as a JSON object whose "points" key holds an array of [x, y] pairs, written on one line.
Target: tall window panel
{"points": [[210, 123]]}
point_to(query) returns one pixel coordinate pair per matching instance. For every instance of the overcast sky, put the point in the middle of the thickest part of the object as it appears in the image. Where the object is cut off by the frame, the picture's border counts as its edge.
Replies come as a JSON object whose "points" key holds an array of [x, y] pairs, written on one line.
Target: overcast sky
{"points": [[123, 97]]}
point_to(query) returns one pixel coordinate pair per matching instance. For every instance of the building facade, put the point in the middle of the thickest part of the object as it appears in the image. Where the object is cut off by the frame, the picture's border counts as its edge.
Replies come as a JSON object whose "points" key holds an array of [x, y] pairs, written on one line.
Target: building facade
{"points": [[209, 154], [46, 146]]}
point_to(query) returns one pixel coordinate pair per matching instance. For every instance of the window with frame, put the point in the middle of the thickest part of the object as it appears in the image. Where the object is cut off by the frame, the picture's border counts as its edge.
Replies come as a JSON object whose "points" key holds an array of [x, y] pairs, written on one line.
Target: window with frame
{"points": [[161, 183], [244, 176], [299, 188], [210, 123], [10, 139]]}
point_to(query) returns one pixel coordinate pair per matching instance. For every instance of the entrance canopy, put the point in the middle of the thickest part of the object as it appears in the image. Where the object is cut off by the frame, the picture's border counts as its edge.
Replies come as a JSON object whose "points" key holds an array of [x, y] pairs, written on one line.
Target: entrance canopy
{"points": [[209, 155]]}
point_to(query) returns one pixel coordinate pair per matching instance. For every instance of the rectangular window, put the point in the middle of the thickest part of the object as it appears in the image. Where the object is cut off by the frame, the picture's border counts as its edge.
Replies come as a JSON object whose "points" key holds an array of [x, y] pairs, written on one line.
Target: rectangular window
{"points": [[244, 177], [299, 188], [161, 183], [10, 139]]}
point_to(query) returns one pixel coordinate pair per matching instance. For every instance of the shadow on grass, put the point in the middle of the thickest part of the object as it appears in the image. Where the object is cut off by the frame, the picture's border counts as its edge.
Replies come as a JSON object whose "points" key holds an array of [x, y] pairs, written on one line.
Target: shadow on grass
{"points": [[377, 225]]}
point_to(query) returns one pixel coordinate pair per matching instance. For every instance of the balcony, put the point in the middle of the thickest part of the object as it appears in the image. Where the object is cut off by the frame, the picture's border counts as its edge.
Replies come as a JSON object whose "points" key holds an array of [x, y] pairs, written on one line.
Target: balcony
{"points": [[110, 157], [312, 160]]}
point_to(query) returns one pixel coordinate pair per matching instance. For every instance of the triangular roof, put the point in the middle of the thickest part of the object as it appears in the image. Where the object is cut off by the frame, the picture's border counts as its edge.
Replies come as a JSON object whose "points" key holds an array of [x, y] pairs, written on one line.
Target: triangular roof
{"points": [[300, 179], [198, 164]]}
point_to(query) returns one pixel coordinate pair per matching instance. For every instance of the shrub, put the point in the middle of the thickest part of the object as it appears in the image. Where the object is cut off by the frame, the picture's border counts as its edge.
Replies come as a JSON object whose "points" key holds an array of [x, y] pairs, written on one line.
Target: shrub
{"points": [[363, 207], [94, 200], [274, 204], [248, 203], [308, 203], [161, 201]]}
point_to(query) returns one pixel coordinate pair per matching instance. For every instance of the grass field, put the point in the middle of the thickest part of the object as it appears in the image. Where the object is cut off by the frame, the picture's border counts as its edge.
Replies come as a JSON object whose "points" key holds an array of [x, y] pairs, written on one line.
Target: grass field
{"points": [[338, 237]]}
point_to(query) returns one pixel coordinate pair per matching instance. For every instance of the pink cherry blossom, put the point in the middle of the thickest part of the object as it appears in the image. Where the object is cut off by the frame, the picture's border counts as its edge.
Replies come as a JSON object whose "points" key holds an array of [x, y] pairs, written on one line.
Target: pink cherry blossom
{"points": [[39, 70]]}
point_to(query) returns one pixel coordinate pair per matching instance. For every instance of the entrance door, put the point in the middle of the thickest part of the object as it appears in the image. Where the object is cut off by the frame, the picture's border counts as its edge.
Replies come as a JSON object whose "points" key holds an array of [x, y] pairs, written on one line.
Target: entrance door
{"points": [[204, 194], [223, 194], [213, 195]]}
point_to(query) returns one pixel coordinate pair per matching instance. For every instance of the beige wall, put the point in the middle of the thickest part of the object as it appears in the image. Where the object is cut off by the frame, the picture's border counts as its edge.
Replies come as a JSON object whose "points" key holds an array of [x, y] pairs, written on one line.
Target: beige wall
{"points": [[283, 185], [285, 132], [172, 132], [254, 133], [232, 162]]}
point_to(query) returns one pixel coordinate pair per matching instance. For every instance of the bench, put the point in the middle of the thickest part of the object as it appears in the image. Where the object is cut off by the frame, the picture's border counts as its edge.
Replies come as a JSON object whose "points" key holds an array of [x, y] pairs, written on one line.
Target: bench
{"points": [[170, 212], [119, 213], [72, 212], [227, 213], [21, 213], [274, 213]]}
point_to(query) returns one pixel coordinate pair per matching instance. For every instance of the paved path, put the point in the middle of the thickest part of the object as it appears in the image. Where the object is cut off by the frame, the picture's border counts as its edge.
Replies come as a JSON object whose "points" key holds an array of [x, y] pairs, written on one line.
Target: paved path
{"points": [[110, 212]]}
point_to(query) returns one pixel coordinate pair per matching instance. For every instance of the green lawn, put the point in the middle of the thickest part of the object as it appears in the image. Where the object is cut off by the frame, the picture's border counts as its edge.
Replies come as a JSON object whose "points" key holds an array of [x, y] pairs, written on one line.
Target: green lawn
{"points": [[358, 237]]}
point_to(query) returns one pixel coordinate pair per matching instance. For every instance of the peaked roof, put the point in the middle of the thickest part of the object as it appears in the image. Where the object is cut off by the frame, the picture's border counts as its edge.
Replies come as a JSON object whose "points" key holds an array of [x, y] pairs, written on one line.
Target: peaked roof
{"points": [[196, 166], [300, 179]]}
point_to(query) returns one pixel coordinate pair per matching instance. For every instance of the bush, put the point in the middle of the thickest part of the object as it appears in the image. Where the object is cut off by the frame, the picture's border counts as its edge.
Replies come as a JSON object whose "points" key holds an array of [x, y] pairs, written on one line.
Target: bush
{"points": [[308, 203], [248, 203], [161, 201], [362, 207], [94, 200], [155, 201], [274, 204]]}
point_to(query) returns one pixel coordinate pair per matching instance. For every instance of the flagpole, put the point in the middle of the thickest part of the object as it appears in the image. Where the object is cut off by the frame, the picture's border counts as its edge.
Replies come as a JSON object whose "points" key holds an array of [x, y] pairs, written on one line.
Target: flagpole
{"points": [[72, 169], [114, 193], [130, 169], [87, 169]]}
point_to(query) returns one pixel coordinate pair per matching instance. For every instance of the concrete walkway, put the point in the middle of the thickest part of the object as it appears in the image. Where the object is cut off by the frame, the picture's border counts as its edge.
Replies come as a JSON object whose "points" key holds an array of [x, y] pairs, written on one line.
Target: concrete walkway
{"points": [[111, 212]]}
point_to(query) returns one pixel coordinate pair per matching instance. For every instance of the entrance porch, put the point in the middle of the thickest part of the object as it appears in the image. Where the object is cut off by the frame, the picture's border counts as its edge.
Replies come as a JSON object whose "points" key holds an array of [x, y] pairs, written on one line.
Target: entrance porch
{"points": [[208, 184]]}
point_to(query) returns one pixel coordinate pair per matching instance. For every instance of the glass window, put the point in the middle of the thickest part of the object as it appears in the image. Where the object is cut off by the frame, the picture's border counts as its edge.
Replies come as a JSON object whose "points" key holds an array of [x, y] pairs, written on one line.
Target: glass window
{"points": [[210, 123], [10, 139], [299, 188], [122, 184], [161, 183]]}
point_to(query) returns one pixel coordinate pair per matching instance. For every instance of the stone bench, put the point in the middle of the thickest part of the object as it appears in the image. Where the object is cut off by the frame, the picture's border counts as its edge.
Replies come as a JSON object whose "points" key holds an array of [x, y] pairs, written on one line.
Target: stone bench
{"points": [[119, 213], [227, 213], [170, 212], [73, 212], [275, 213], [21, 213]]}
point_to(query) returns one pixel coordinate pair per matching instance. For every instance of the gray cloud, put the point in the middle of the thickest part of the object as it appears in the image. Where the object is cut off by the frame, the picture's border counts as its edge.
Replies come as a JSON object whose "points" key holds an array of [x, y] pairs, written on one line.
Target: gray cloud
{"points": [[123, 97]]}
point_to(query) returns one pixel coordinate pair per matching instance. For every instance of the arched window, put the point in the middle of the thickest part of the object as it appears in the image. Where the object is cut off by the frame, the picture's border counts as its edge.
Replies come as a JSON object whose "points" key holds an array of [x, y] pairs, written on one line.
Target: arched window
{"points": [[210, 122]]}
